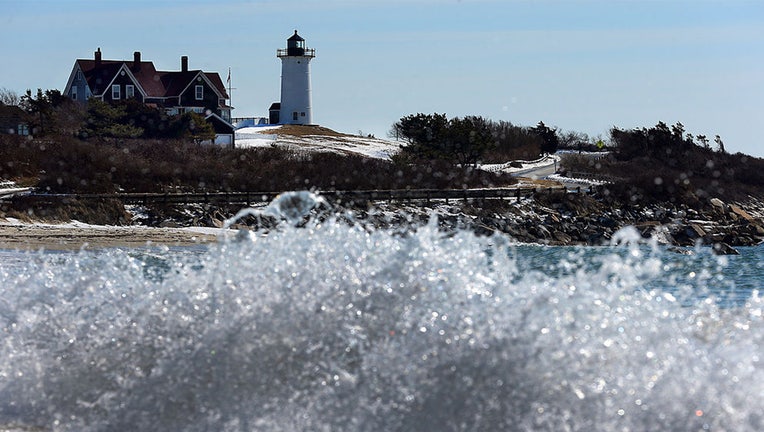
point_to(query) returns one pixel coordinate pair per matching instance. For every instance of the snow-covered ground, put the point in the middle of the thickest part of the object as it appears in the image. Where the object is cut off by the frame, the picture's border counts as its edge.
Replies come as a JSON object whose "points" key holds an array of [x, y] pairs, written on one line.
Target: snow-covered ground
{"points": [[9, 188], [583, 181], [545, 161], [75, 224], [267, 136], [264, 136]]}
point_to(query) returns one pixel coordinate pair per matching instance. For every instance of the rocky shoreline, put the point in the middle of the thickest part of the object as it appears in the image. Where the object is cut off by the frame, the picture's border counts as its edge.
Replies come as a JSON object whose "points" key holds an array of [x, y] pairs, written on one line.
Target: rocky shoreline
{"points": [[582, 220], [551, 219]]}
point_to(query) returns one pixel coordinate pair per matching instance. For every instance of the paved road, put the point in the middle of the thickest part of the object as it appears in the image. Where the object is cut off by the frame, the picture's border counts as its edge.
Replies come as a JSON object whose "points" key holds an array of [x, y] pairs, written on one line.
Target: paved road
{"points": [[537, 173], [542, 172]]}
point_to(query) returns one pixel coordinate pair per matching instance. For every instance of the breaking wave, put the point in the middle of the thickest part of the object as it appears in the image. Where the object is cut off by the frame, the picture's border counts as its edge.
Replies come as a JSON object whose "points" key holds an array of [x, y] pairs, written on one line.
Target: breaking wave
{"points": [[335, 326]]}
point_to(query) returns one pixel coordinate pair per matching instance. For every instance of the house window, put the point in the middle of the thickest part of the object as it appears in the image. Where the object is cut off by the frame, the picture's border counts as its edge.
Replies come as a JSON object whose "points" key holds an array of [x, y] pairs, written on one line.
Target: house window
{"points": [[294, 115], [302, 114], [129, 91], [23, 129], [74, 92], [199, 92], [116, 93]]}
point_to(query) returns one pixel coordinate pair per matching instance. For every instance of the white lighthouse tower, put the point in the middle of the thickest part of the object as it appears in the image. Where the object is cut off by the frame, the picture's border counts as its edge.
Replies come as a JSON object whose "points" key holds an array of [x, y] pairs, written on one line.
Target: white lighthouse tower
{"points": [[296, 102]]}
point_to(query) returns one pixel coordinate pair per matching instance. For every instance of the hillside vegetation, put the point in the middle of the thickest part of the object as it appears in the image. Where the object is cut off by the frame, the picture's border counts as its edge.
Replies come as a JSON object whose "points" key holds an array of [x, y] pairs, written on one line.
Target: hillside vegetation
{"points": [[130, 147], [665, 163], [133, 148], [470, 140], [71, 165]]}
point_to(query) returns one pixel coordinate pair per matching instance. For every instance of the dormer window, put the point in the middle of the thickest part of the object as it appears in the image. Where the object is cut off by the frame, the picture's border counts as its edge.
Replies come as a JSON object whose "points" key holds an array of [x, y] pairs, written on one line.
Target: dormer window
{"points": [[116, 92], [199, 92]]}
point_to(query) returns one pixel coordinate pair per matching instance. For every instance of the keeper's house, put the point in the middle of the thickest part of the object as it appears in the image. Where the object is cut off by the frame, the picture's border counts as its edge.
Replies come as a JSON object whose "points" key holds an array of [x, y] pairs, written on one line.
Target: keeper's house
{"points": [[175, 92]]}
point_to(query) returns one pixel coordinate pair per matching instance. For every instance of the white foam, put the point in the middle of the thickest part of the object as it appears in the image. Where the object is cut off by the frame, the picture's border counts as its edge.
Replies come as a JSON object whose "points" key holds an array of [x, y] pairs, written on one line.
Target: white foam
{"points": [[327, 325]]}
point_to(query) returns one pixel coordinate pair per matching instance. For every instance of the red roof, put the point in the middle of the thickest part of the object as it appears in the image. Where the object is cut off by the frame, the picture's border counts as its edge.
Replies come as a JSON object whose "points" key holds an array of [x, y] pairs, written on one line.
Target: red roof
{"points": [[156, 84]]}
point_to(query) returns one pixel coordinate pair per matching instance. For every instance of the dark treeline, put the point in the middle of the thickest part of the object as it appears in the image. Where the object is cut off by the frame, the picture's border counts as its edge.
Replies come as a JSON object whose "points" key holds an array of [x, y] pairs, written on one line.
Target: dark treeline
{"points": [[52, 114], [662, 162], [473, 139], [69, 164]]}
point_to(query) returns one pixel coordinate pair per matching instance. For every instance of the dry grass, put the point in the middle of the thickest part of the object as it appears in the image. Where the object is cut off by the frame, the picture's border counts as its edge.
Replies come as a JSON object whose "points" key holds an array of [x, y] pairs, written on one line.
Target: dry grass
{"points": [[541, 183], [306, 130], [68, 165], [55, 209]]}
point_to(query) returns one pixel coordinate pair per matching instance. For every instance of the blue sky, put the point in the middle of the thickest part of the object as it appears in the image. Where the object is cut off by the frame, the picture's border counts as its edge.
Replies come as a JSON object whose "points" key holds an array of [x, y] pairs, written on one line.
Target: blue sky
{"points": [[583, 65]]}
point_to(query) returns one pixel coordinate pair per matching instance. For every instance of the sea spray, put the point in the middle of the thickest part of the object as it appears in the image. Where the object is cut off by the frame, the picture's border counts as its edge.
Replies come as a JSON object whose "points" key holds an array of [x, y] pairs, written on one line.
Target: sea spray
{"points": [[335, 326]]}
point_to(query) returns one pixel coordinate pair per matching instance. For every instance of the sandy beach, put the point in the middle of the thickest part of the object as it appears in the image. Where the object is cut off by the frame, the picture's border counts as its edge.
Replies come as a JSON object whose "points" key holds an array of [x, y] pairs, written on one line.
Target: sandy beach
{"points": [[69, 237]]}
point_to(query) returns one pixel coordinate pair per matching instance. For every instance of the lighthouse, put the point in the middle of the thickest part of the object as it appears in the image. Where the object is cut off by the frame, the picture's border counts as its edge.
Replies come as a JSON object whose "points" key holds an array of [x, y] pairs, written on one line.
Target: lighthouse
{"points": [[296, 105]]}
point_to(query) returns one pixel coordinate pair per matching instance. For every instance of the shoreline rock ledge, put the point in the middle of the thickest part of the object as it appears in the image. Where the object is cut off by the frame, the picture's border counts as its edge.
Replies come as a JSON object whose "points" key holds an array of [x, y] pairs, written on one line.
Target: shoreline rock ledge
{"points": [[551, 219]]}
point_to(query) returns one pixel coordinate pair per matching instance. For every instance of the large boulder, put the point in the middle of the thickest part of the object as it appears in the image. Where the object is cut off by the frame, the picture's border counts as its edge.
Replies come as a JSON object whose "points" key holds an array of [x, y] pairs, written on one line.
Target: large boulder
{"points": [[738, 211], [722, 248]]}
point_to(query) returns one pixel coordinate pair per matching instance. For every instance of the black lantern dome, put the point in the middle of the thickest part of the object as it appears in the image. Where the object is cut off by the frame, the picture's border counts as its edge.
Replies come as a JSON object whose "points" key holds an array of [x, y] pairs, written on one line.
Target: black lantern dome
{"points": [[295, 45]]}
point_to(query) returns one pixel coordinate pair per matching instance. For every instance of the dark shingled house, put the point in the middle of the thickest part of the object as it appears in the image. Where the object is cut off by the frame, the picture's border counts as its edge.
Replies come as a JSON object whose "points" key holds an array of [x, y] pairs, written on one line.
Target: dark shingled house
{"points": [[176, 92]]}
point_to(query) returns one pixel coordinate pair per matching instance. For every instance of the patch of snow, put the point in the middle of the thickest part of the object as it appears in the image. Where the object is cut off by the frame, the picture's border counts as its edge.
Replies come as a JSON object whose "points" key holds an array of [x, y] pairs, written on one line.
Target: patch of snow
{"points": [[542, 162], [71, 224], [365, 146], [583, 153], [9, 188], [255, 137], [113, 228], [563, 179]]}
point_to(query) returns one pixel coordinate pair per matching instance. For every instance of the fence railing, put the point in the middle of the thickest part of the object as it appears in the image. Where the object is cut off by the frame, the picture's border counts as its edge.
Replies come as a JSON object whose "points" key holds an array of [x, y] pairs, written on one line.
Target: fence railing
{"points": [[307, 52], [245, 198]]}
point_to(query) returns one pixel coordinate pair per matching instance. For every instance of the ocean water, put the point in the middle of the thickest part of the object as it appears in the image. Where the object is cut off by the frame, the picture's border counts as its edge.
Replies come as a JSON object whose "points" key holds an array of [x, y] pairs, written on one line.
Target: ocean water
{"points": [[330, 325]]}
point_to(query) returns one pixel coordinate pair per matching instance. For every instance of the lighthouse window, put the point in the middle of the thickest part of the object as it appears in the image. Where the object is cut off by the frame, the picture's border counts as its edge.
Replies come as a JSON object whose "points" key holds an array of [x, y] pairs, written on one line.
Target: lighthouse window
{"points": [[199, 92]]}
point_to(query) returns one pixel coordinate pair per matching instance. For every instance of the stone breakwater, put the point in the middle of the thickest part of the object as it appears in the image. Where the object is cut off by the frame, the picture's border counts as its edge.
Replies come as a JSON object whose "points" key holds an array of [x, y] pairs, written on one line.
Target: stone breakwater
{"points": [[553, 219], [582, 220]]}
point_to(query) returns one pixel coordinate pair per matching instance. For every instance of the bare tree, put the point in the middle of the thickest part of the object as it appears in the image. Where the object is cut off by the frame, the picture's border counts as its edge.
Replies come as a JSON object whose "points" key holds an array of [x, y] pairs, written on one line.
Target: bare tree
{"points": [[9, 97]]}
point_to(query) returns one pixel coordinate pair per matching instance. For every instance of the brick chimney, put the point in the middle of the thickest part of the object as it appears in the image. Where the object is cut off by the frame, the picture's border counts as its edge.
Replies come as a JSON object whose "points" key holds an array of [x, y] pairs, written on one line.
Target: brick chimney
{"points": [[184, 64], [137, 60], [98, 57]]}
